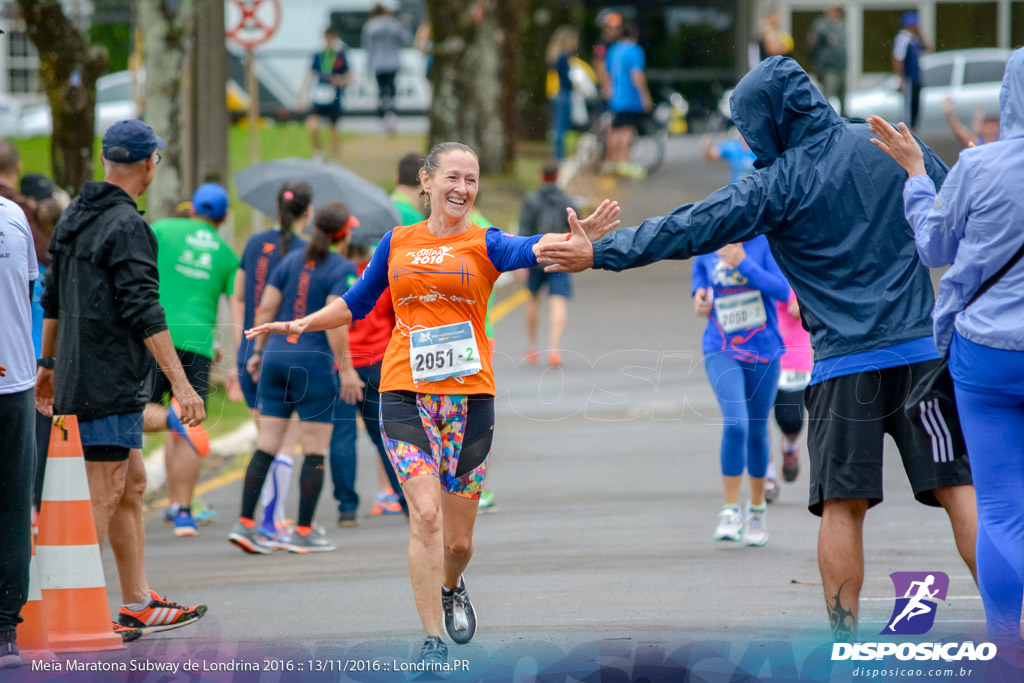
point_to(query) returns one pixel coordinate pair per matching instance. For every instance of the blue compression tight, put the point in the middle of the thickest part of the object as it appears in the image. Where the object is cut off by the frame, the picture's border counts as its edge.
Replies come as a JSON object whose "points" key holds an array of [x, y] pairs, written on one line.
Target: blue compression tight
{"points": [[993, 426], [746, 394]]}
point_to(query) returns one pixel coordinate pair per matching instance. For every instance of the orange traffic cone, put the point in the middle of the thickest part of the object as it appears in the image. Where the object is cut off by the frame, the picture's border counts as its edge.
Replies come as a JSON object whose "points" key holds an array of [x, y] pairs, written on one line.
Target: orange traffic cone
{"points": [[32, 640], [70, 568]]}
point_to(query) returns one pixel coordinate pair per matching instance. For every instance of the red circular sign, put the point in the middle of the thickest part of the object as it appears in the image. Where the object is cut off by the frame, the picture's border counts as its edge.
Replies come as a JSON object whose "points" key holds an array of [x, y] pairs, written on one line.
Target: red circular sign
{"points": [[252, 22]]}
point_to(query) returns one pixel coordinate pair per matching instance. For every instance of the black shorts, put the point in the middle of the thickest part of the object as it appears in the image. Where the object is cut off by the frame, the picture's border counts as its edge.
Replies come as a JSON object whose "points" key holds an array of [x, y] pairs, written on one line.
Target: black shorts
{"points": [[622, 119], [331, 112], [847, 419], [197, 371]]}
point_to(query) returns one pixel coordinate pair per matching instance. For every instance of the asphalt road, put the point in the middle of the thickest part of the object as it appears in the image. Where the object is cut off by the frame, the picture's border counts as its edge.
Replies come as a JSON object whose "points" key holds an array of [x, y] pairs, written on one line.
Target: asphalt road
{"points": [[606, 476]]}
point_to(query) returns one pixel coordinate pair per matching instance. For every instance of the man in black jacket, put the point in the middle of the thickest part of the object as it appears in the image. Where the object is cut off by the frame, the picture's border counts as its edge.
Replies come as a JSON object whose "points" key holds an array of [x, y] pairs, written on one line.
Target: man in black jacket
{"points": [[102, 321]]}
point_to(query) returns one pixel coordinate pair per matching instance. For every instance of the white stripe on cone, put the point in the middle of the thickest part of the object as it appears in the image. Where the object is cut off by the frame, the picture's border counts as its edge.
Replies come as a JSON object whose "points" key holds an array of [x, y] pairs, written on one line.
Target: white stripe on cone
{"points": [[70, 566], [65, 480], [34, 591]]}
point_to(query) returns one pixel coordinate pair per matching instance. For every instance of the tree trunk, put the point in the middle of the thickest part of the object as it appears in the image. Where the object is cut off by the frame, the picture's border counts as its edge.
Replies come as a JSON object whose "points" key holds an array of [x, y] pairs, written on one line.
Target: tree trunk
{"points": [[69, 67], [166, 44], [511, 19], [541, 18], [467, 79]]}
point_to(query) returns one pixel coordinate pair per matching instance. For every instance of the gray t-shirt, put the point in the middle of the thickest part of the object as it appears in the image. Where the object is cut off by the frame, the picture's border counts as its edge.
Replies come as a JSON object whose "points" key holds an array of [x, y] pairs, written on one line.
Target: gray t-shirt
{"points": [[18, 267], [829, 48], [383, 38]]}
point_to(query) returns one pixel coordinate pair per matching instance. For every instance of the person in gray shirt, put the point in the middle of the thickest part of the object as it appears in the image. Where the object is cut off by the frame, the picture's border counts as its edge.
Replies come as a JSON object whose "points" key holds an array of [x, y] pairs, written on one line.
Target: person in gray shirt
{"points": [[827, 41], [383, 38]]}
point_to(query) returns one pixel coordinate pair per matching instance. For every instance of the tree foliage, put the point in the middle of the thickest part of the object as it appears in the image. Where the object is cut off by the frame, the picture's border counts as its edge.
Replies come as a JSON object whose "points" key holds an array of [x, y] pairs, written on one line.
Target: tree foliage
{"points": [[474, 76], [69, 67]]}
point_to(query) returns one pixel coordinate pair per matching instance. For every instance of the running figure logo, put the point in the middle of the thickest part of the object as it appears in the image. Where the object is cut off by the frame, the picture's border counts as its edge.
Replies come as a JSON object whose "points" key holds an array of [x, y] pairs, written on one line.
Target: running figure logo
{"points": [[914, 612]]}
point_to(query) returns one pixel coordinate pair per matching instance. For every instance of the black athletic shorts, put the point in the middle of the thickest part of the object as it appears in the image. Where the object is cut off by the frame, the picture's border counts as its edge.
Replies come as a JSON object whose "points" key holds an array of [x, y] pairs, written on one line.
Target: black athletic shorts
{"points": [[622, 119], [197, 370], [847, 418]]}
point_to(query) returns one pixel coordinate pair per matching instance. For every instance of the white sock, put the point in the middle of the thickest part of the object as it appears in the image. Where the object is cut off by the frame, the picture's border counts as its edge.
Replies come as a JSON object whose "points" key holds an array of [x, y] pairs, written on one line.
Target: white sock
{"points": [[275, 490]]}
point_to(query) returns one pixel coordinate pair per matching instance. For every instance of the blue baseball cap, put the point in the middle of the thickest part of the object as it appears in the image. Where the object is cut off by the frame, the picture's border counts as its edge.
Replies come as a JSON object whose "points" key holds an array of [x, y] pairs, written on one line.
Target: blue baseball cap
{"points": [[909, 19], [210, 200], [129, 141]]}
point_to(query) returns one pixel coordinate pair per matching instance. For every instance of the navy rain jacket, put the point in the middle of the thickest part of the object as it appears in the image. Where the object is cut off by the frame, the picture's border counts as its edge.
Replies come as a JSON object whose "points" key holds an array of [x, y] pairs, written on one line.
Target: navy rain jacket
{"points": [[831, 206]]}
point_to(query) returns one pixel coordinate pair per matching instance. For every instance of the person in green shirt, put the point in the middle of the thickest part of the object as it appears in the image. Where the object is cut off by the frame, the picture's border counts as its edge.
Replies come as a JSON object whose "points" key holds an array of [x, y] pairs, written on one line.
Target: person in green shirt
{"points": [[406, 195], [196, 266]]}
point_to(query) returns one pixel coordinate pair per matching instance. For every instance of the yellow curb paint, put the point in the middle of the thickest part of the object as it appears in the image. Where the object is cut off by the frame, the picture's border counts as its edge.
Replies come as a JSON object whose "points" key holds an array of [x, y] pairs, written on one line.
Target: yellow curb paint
{"points": [[505, 307], [207, 486]]}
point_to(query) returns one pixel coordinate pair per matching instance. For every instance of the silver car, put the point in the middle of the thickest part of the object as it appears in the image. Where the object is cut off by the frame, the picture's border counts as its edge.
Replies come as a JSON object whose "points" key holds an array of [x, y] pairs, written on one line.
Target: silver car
{"points": [[970, 77]]}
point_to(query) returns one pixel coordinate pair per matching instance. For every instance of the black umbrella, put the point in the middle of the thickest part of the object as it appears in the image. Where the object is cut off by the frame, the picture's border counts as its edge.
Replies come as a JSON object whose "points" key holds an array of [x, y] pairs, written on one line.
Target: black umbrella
{"points": [[258, 185]]}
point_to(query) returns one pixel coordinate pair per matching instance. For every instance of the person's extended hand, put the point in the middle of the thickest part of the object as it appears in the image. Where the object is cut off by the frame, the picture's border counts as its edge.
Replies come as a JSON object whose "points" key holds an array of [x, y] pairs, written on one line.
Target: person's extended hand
{"points": [[793, 308], [899, 144], [3, 371], [280, 327], [571, 256], [948, 105], [702, 300], [732, 254], [44, 391], [351, 386], [252, 366], [234, 387], [190, 405], [602, 221]]}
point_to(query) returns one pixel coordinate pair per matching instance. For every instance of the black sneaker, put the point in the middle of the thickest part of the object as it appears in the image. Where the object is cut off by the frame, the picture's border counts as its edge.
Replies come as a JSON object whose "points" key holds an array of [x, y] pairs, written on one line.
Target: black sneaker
{"points": [[348, 518], [459, 615], [433, 656], [10, 658]]}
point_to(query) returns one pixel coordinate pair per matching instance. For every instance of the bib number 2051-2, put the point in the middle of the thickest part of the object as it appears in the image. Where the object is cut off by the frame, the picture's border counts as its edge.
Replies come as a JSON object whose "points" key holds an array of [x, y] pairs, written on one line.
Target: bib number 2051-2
{"points": [[439, 353]]}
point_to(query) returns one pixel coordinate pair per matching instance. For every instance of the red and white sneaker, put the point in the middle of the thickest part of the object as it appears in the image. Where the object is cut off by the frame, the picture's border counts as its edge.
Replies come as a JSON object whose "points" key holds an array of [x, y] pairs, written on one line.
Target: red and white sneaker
{"points": [[160, 615], [127, 633]]}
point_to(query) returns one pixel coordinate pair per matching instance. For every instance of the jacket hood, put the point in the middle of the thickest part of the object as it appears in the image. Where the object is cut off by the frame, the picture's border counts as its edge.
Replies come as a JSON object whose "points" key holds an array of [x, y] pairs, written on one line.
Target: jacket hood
{"points": [[1011, 98], [776, 108], [95, 199]]}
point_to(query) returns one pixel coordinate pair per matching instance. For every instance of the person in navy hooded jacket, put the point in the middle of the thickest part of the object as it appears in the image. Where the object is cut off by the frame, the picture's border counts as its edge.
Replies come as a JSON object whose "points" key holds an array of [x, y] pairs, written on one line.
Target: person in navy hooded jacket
{"points": [[830, 204]]}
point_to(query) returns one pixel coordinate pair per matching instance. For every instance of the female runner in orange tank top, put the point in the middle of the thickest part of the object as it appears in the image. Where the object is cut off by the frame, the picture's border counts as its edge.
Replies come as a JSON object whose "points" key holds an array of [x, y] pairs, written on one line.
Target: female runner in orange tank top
{"points": [[437, 383]]}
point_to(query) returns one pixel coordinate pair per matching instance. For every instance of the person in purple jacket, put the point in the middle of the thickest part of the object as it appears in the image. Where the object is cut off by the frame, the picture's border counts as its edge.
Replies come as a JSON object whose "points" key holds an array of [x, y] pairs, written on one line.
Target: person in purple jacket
{"points": [[736, 289]]}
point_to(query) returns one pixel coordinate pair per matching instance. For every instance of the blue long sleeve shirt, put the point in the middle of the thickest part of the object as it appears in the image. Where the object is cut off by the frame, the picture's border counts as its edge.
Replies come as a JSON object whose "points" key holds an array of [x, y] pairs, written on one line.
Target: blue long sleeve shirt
{"points": [[757, 274], [976, 222]]}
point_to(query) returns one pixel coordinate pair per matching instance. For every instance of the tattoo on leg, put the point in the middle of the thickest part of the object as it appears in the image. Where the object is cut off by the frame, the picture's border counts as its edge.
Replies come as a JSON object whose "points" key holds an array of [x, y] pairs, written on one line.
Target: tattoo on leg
{"points": [[842, 620]]}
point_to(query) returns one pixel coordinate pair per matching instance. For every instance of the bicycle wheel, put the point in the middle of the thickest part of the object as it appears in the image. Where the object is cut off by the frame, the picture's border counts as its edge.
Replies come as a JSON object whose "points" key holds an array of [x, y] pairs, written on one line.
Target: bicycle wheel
{"points": [[648, 150]]}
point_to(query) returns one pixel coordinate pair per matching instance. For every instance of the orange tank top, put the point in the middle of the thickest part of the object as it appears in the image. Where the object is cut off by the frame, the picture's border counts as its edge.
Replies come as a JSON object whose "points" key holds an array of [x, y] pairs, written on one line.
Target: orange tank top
{"points": [[438, 285]]}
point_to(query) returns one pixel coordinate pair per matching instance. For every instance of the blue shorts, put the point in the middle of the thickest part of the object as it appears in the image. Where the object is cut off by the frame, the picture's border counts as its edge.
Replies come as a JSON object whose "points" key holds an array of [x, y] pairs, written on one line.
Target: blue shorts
{"points": [[559, 284], [123, 430], [298, 382]]}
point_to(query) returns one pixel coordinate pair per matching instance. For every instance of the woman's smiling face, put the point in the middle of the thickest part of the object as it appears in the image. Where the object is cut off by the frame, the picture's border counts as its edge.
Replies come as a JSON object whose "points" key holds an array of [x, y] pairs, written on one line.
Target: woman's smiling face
{"points": [[452, 188]]}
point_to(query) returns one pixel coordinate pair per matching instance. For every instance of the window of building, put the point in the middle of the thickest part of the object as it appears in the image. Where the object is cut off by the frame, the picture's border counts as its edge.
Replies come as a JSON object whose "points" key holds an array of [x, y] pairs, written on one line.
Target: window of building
{"points": [[964, 25], [880, 29], [1016, 24], [22, 64], [800, 24]]}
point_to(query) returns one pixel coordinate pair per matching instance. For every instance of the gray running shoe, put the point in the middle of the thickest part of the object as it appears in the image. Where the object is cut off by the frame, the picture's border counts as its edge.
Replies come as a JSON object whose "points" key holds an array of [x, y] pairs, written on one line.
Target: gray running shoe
{"points": [[459, 615], [10, 658], [249, 540], [433, 656], [313, 542]]}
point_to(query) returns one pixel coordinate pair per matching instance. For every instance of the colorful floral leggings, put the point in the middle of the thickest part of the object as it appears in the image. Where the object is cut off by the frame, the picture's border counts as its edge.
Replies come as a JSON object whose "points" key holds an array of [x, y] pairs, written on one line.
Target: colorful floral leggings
{"points": [[445, 436]]}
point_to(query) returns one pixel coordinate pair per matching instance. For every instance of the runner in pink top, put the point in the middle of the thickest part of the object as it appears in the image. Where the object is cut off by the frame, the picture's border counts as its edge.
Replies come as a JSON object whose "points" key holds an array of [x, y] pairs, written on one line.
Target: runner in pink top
{"points": [[796, 372]]}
